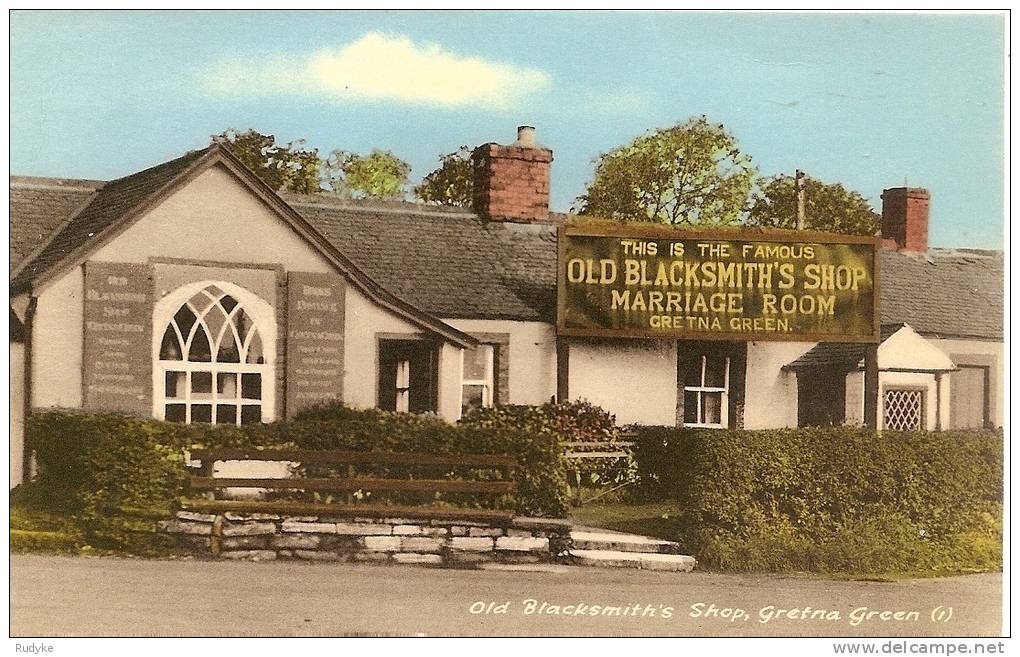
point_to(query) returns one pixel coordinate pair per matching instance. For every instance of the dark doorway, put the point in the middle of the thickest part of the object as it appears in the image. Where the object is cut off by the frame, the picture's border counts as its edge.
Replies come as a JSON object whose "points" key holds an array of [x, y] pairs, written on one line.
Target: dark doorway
{"points": [[821, 397], [408, 375]]}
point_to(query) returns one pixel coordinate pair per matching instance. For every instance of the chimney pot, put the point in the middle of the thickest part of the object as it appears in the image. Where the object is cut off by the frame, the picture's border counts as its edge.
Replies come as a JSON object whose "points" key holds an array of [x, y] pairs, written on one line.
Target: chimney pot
{"points": [[526, 136], [512, 182]]}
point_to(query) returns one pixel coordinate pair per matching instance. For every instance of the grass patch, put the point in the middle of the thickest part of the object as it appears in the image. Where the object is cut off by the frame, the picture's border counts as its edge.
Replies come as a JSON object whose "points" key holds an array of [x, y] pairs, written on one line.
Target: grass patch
{"points": [[655, 519], [37, 530]]}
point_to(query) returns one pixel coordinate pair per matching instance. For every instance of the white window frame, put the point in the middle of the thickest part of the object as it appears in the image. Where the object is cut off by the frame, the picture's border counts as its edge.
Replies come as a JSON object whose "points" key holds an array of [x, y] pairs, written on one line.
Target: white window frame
{"points": [[487, 383], [264, 319], [724, 411]]}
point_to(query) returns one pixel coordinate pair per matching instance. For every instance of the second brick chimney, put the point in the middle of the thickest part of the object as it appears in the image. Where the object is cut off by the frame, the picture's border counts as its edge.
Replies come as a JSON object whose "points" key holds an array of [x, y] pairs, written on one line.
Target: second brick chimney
{"points": [[512, 182], [905, 218]]}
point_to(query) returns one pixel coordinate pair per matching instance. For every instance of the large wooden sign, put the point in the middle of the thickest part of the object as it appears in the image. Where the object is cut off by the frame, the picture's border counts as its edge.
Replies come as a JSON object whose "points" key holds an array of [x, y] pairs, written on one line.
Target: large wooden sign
{"points": [[117, 366], [315, 339], [655, 282]]}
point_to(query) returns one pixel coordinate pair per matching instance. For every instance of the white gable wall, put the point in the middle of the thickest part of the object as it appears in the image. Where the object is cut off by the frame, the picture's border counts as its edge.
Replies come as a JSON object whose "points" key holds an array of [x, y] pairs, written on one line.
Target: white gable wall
{"points": [[214, 218]]}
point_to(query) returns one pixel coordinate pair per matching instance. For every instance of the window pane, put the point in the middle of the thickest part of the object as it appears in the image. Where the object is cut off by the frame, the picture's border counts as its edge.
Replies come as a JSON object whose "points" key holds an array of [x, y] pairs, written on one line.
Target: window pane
{"points": [[201, 382], [215, 318], [228, 352], [170, 347], [477, 363], [226, 385], [175, 413], [473, 397], [226, 414], [690, 407], [403, 375], [712, 413], [175, 384], [185, 320], [201, 413], [251, 386], [228, 302], [251, 414], [205, 298], [715, 371], [255, 351], [199, 351]]}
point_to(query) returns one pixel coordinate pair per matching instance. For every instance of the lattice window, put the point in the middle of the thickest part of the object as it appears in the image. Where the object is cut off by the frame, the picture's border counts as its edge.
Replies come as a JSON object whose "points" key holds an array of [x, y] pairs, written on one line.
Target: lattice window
{"points": [[213, 362], [903, 409]]}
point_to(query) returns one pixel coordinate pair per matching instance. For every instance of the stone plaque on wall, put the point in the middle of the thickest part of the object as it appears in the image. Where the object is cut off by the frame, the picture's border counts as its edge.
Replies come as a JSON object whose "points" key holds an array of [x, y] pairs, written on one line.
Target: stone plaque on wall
{"points": [[117, 366], [315, 339]]}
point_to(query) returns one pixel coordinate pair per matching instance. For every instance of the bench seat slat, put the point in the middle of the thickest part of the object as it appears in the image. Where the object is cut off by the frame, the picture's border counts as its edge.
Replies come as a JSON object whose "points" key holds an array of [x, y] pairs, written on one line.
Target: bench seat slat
{"points": [[362, 510], [596, 455], [340, 456], [328, 485]]}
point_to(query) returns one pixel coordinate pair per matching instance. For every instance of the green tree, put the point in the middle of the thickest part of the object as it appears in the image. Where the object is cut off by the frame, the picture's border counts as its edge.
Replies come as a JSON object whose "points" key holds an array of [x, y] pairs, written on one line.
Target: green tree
{"points": [[689, 174], [380, 174], [290, 166], [452, 183], [827, 206]]}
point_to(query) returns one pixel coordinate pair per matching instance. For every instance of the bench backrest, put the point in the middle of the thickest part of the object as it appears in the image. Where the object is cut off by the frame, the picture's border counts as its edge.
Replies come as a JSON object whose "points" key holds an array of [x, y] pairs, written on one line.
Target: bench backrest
{"points": [[351, 483]]}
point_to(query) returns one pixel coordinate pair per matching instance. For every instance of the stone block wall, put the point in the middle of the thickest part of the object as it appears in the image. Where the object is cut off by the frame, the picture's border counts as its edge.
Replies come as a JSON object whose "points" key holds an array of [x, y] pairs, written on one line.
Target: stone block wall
{"points": [[462, 543]]}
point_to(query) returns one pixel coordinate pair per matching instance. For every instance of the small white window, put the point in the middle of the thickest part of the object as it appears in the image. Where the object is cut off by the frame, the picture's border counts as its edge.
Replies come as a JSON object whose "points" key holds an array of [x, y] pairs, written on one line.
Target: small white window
{"points": [[477, 383], [403, 386], [706, 397]]}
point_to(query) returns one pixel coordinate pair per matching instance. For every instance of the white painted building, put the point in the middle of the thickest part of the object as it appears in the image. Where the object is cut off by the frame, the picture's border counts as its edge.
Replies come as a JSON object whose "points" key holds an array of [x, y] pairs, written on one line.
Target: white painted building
{"points": [[192, 292]]}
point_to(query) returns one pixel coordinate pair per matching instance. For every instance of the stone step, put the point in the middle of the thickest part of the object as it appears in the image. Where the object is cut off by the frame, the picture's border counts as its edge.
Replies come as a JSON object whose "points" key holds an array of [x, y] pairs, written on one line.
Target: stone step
{"points": [[644, 560], [585, 540]]}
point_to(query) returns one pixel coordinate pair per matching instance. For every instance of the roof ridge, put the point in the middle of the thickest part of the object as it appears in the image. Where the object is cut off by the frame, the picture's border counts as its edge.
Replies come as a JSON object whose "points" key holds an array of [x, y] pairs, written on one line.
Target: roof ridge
{"points": [[375, 206], [48, 182]]}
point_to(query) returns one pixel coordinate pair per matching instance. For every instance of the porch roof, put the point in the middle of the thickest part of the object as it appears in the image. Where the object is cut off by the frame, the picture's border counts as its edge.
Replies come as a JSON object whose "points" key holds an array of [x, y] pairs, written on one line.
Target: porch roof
{"points": [[907, 352]]}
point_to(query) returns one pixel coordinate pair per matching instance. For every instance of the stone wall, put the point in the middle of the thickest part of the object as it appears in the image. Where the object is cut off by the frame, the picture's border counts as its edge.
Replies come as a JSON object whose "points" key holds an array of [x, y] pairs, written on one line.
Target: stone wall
{"points": [[344, 538]]}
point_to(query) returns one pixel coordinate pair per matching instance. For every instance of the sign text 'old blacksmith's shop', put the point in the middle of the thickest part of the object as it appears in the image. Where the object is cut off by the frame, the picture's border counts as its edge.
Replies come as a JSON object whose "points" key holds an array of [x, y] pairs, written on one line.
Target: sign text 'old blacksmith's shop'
{"points": [[651, 282]]}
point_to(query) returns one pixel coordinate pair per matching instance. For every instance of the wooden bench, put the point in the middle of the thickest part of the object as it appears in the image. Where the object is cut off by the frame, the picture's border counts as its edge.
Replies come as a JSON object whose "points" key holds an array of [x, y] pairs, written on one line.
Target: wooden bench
{"points": [[205, 483]]}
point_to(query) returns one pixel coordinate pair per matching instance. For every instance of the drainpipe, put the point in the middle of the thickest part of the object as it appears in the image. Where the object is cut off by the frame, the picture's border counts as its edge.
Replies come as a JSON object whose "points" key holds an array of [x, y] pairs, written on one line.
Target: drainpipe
{"points": [[27, 460], [871, 386], [562, 369], [938, 401]]}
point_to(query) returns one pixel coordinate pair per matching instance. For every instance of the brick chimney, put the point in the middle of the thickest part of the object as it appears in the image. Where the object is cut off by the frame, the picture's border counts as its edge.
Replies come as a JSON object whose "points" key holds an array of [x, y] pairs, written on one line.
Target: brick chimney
{"points": [[905, 218], [512, 182]]}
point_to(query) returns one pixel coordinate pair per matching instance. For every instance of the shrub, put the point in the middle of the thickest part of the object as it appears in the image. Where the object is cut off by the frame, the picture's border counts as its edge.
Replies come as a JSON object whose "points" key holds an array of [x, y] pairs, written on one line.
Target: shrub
{"points": [[829, 500], [575, 421]]}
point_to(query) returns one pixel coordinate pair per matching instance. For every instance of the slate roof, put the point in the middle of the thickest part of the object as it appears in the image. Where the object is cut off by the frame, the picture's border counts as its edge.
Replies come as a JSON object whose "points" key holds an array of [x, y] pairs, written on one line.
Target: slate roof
{"points": [[945, 292], [451, 263], [38, 207], [110, 203], [839, 354]]}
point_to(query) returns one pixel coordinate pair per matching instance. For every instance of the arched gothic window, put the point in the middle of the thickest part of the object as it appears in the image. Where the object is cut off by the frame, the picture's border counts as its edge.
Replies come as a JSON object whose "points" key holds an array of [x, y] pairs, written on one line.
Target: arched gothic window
{"points": [[215, 356]]}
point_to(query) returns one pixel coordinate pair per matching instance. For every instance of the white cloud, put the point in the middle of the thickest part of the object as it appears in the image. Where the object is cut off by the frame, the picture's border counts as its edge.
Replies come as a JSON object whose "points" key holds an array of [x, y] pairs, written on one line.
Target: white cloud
{"points": [[382, 67]]}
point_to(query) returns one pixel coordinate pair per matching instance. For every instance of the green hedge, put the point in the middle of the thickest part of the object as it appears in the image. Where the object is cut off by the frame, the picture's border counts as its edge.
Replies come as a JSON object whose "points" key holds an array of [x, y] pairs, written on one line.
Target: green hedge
{"points": [[826, 499], [119, 473]]}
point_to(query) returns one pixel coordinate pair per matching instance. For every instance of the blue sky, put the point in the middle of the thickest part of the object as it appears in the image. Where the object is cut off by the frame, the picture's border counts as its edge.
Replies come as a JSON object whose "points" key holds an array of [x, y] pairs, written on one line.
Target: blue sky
{"points": [[869, 100]]}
